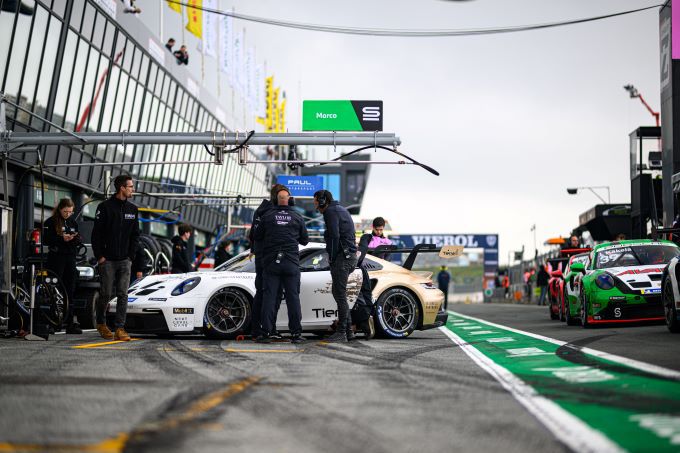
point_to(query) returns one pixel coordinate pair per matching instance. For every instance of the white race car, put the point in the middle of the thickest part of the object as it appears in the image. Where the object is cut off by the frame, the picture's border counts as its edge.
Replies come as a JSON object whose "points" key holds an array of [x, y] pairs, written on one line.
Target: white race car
{"points": [[218, 304]]}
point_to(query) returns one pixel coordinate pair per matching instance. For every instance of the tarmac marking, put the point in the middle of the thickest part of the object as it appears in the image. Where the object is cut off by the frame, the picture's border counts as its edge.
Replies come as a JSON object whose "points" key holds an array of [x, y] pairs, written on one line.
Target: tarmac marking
{"points": [[118, 443], [255, 351], [105, 343], [590, 400]]}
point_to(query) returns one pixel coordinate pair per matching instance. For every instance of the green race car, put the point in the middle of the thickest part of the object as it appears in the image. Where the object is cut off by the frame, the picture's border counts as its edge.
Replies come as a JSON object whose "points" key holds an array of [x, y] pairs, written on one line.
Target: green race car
{"points": [[621, 282]]}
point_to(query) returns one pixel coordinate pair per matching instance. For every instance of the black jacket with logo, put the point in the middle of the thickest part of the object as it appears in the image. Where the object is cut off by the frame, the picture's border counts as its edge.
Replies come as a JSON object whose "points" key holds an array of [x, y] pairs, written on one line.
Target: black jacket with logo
{"points": [[55, 241], [340, 234], [116, 230], [281, 230], [181, 263], [255, 245]]}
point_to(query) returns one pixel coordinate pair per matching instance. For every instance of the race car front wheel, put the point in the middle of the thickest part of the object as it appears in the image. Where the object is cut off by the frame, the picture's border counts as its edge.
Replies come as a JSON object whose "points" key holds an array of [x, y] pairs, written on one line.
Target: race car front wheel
{"points": [[397, 313], [670, 311], [227, 314]]}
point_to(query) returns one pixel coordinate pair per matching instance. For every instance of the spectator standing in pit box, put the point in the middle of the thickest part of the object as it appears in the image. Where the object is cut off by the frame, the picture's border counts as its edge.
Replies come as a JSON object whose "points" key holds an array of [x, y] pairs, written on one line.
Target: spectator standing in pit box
{"points": [[506, 285], [62, 239], [222, 254], [542, 282], [364, 305], [443, 280], [282, 230], [257, 249], [181, 261], [341, 248], [572, 243], [170, 44], [114, 242]]}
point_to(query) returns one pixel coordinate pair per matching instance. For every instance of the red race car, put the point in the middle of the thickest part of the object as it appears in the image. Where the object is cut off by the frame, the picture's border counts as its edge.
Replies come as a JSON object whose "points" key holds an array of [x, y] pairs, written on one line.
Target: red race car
{"points": [[557, 268]]}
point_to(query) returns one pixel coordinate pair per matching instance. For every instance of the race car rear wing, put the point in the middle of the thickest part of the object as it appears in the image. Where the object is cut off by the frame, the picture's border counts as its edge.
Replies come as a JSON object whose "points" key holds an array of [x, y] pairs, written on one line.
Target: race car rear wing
{"points": [[446, 252], [575, 251], [672, 234]]}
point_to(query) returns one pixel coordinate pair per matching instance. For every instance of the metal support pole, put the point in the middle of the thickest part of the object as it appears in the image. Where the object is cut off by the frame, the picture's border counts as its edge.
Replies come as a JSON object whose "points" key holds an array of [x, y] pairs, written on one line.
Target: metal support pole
{"points": [[211, 162], [3, 150], [107, 183], [31, 336], [205, 138]]}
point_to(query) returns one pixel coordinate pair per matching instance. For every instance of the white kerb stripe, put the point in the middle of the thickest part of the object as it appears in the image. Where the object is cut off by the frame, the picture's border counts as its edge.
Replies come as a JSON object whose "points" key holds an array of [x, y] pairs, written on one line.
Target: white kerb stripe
{"points": [[643, 366], [567, 428]]}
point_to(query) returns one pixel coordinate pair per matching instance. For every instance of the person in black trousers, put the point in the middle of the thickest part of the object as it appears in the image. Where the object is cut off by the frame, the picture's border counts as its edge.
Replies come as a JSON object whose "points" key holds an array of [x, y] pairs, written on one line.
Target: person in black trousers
{"points": [[341, 248], [282, 230], [62, 239]]}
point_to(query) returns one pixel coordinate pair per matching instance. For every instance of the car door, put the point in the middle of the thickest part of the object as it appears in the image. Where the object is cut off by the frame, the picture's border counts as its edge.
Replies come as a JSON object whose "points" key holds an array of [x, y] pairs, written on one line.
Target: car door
{"points": [[316, 299]]}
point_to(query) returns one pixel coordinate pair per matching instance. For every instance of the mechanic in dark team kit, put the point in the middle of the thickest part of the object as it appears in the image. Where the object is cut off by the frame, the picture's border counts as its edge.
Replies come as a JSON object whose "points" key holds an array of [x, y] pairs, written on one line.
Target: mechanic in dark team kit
{"points": [[257, 249], [181, 258], [281, 229], [114, 243], [341, 249]]}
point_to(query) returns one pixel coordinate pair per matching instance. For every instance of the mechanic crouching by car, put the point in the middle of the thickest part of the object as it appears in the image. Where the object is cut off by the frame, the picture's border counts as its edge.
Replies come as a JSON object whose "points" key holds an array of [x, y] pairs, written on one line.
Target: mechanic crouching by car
{"points": [[362, 312], [341, 248], [114, 242], [62, 239], [281, 230]]}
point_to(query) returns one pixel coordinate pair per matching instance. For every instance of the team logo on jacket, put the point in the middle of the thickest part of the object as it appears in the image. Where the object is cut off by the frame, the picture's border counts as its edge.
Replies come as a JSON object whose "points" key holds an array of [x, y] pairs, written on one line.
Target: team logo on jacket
{"points": [[491, 240], [129, 217]]}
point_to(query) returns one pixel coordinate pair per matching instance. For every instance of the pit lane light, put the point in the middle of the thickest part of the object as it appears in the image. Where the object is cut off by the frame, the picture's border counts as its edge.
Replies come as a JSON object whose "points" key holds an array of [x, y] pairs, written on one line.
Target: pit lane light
{"points": [[186, 286]]}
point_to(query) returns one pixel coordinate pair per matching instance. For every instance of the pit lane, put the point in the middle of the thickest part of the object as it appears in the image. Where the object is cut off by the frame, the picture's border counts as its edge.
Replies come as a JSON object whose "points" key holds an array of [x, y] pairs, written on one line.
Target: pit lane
{"points": [[192, 394]]}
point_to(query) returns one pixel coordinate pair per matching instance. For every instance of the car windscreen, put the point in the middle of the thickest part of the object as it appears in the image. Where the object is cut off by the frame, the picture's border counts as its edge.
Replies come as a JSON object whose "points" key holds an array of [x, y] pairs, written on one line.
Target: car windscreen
{"points": [[240, 263], [635, 255]]}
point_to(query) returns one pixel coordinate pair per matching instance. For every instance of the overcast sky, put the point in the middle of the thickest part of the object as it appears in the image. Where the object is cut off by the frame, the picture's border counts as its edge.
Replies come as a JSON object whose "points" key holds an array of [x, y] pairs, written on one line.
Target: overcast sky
{"points": [[508, 120]]}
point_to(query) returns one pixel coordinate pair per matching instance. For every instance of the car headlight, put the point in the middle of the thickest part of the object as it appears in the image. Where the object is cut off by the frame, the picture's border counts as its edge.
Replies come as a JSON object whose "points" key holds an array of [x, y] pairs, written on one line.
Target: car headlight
{"points": [[605, 281], [85, 271], [186, 286], [428, 285]]}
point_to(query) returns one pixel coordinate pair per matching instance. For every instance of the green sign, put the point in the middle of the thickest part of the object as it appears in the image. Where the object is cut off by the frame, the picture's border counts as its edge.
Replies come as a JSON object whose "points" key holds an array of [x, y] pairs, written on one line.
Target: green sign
{"points": [[342, 115]]}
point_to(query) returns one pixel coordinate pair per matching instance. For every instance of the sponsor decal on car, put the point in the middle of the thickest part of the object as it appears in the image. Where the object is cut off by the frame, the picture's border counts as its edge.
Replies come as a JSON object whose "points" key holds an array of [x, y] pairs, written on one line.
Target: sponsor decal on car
{"points": [[158, 299], [651, 291], [132, 299], [183, 311], [655, 270], [615, 298]]}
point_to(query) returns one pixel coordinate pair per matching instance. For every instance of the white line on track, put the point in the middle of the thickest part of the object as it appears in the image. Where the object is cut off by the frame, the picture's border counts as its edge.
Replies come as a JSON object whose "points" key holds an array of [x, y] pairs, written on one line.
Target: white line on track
{"points": [[567, 428], [643, 366]]}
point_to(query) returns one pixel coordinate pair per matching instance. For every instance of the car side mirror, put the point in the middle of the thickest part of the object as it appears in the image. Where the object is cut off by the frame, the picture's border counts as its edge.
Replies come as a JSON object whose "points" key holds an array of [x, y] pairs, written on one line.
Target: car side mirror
{"points": [[556, 274], [578, 267]]}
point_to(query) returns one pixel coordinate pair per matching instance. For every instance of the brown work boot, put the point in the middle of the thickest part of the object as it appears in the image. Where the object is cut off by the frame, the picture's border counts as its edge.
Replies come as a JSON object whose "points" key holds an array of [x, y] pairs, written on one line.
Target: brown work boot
{"points": [[121, 335], [104, 332]]}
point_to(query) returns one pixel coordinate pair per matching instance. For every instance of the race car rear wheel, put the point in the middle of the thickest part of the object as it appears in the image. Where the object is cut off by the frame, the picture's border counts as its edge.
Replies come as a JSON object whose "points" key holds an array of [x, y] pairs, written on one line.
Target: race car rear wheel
{"points": [[584, 311], [670, 311], [227, 314], [397, 313]]}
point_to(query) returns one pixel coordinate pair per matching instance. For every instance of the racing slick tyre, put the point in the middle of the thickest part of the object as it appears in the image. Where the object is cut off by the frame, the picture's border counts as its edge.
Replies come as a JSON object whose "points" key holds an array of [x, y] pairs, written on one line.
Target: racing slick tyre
{"points": [[670, 312], [571, 321], [584, 310], [227, 314], [87, 317], [561, 303], [551, 309], [397, 313]]}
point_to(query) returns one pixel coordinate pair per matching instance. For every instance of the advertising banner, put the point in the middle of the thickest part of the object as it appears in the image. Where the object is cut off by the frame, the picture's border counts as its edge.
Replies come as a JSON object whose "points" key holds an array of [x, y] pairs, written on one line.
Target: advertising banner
{"points": [[342, 115], [226, 32], [301, 186], [209, 24]]}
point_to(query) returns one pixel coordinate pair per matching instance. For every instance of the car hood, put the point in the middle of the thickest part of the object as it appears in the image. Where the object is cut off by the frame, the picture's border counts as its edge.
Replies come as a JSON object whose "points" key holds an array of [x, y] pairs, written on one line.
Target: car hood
{"points": [[639, 278]]}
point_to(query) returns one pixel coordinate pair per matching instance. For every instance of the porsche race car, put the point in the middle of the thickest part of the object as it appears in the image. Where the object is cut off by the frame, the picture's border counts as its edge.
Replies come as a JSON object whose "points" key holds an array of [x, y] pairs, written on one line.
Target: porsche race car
{"points": [[218, 303], [622, 282]]}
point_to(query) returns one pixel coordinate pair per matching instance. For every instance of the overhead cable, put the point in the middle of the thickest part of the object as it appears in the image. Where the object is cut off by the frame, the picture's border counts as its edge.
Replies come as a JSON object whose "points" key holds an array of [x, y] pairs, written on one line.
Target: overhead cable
{"points": [[409, 33]]}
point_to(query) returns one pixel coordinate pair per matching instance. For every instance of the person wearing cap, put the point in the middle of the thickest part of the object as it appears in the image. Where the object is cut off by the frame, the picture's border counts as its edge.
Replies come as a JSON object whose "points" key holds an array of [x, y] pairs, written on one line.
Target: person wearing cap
{"points": [[281, 230]]}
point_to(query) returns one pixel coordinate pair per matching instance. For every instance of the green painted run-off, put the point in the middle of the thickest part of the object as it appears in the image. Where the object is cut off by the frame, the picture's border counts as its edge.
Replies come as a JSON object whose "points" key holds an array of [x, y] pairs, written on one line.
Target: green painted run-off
{"points": [[637, 410]]}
